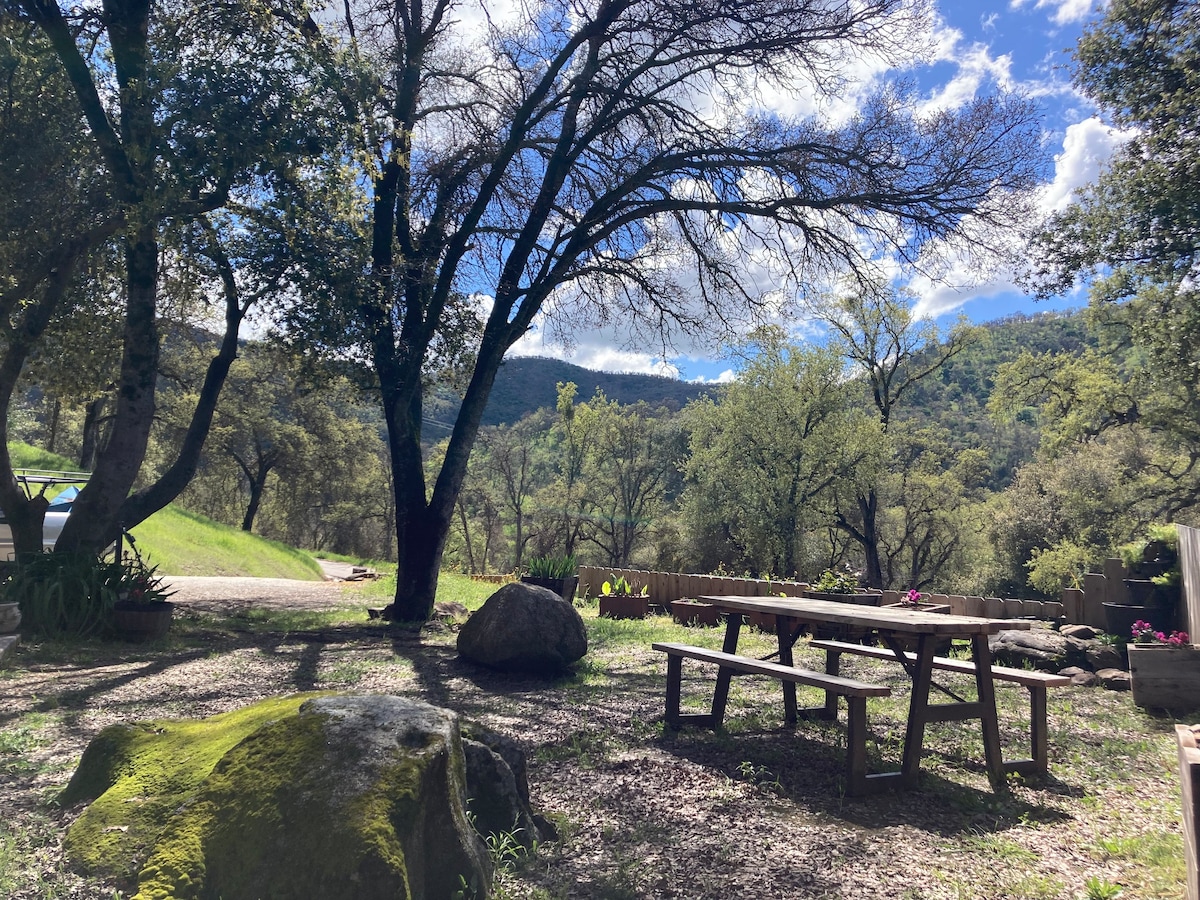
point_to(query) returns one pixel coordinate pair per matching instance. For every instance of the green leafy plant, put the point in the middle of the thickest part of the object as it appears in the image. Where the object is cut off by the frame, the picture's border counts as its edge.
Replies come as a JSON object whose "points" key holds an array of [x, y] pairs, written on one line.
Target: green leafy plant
{"points": [[63, 594], [552, 566], [831, 582], [1101, 888], [619, 586], [135, 582]]}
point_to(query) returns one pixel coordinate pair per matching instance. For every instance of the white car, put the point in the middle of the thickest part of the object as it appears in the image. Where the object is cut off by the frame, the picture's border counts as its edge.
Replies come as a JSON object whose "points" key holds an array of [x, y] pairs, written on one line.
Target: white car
{"points": [[56, 514]]}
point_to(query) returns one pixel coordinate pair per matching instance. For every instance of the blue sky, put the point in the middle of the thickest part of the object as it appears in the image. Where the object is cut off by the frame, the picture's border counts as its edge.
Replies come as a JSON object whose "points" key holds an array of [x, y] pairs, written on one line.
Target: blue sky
{"points": [[1024, 46]]}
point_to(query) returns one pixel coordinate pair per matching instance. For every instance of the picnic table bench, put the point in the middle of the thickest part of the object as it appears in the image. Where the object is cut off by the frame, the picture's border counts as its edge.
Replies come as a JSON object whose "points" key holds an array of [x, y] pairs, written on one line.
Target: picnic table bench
{"points": [[1035, 682], [730, 664]]}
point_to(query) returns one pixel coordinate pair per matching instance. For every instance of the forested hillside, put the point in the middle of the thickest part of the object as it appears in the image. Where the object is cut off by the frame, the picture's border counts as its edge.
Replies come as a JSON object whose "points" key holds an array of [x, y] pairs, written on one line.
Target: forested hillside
{"points": [[526, 384], [778, 473]]}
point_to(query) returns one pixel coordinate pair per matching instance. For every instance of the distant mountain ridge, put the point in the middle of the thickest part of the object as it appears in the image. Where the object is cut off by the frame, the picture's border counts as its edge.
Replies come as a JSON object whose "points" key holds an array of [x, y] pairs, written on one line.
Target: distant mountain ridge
{"points": [[956, 396], [526, 384]]}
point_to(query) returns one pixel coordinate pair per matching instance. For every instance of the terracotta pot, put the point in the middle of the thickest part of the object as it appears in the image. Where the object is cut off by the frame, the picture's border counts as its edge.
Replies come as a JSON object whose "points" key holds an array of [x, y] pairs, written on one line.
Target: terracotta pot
{"points": [[1165, 677], [624, 606], [10, 616], [142, 621], [687, 612]]}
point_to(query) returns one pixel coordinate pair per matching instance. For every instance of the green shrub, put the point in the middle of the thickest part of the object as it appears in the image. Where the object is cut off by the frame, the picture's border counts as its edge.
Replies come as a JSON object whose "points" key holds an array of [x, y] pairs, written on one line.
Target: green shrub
{"points": [[64, 594]]}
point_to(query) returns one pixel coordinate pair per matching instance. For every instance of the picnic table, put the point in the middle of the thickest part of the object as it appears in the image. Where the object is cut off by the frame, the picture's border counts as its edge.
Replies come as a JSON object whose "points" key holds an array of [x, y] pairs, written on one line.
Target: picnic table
{"points": [[899, 629]]}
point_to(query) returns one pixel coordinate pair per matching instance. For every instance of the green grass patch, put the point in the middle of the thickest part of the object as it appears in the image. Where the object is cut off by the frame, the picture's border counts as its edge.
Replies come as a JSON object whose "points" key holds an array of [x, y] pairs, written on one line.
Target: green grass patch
{"points": [[25, 456], [18, 741], [452, 588], [185, 543]]}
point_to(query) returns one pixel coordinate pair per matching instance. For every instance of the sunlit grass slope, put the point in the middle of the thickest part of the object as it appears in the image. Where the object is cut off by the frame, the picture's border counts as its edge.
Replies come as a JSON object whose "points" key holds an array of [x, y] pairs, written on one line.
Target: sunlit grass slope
{"points": [[183, 543]]}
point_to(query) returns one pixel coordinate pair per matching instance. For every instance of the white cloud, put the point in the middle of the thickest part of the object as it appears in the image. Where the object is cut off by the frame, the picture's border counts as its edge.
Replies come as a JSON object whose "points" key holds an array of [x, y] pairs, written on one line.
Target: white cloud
{"points": [[1062, 12], [1087, 146], [976, 69]]}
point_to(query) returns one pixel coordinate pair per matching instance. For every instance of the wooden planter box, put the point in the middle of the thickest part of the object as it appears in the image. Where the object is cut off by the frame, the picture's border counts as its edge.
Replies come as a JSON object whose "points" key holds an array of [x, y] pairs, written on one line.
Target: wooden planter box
{"points": [[624, 606], [1165, 677], [1189, 788], [687, 612], [923, 607], [861, 598]]}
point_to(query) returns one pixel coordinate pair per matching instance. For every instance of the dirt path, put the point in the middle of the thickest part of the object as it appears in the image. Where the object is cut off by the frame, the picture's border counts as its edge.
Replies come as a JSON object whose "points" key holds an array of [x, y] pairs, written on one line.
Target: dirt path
{"points": [[227, 595]]}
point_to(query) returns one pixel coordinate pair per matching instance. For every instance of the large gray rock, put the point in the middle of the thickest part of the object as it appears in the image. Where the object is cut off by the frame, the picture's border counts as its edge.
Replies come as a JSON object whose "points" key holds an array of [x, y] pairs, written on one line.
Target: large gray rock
{"points": [[343, 798], [524, 628], [1042, 648]]}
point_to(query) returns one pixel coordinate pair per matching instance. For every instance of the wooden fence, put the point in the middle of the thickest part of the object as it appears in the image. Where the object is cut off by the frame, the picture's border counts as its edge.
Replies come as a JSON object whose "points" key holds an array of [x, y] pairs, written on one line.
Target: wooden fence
{"points": [[1084, 606], [667, 586]]}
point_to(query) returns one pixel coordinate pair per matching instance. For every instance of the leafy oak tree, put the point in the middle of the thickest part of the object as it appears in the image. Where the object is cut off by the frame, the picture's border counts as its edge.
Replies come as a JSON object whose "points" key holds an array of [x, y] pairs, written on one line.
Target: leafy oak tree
{"points": [[1136, 230], [612, 162], [178, 109], [769, 454], [893, 351]]}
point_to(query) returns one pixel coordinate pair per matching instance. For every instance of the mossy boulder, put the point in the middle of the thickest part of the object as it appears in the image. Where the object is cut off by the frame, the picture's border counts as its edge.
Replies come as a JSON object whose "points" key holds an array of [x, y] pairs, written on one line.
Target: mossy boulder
{"points": [[308, 796]]}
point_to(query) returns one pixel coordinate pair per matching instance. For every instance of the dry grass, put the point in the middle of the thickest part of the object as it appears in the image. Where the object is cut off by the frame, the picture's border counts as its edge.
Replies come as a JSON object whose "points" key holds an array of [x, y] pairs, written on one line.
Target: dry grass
{"points": [[756, 811]]}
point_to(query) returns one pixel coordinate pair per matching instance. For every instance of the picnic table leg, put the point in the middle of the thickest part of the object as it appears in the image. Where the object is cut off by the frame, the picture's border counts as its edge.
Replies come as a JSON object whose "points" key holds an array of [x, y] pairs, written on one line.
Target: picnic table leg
{"points": [[783, 629], [918, 711], [733, 627], [1037, 728], [674, 681], [981, 653]]}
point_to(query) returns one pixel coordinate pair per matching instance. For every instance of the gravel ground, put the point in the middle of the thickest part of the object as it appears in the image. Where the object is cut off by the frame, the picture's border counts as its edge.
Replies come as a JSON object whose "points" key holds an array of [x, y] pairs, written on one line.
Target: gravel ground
{"points": [[643, 813]]}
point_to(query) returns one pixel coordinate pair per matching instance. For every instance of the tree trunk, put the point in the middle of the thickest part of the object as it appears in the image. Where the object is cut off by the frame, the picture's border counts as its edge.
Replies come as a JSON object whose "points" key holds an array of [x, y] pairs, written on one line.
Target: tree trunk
{"points": [[26, 516], [868, 506], [257, 485], [90, 447], [95, 519]]}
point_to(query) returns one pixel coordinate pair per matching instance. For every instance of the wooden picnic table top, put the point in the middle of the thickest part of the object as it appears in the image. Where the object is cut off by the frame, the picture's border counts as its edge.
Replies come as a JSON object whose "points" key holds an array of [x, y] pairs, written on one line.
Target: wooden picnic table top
{"points": [[892, 619]]}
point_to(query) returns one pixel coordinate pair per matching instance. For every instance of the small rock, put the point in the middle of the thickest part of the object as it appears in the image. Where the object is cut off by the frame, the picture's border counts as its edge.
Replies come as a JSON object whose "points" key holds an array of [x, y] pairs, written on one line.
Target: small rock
{"points": [[1085, 679], [1081, 632], [1114, 679], [1104, 656], [449, 610], [1072, 671]]}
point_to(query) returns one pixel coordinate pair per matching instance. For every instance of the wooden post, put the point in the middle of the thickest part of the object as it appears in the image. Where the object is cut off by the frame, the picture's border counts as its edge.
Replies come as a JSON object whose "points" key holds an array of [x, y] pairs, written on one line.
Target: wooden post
{"points": [[1095, 595], [1072, 603], [1115, 590]]}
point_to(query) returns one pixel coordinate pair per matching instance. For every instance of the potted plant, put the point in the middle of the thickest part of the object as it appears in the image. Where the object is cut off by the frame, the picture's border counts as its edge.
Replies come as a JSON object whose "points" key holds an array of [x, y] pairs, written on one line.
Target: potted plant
{"points": [[914, 599], [620, 599], [141, 611], [1164, 669], [558, 573], [1152, 564]]}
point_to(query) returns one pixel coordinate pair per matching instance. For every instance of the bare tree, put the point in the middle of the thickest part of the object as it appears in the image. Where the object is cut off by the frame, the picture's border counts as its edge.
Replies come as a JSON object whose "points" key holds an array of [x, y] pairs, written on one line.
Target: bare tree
{"points": [[611, 159]]}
